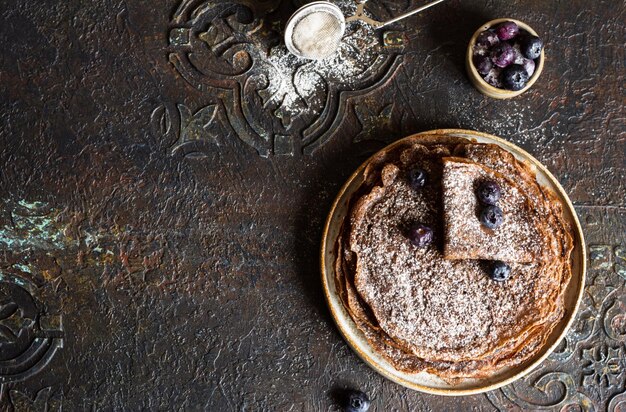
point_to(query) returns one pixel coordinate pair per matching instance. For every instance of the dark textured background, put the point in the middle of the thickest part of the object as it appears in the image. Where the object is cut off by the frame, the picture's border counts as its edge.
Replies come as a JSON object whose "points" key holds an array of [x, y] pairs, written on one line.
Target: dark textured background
{"points": [[185, 276]]}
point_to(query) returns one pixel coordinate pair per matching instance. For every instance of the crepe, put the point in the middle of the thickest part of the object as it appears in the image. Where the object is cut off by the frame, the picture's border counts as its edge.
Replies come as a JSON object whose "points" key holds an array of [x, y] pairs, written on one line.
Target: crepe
{"points": [[424, 312], [517, 239]]}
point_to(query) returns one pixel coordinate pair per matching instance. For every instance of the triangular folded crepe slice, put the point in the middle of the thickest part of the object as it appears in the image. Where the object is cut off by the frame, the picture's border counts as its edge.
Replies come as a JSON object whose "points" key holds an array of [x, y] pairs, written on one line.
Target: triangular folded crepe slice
{"points": [[518, 239]]}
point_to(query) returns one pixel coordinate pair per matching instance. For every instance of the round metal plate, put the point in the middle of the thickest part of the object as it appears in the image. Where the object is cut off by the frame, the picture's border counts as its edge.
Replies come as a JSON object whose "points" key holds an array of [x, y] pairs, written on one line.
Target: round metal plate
{"points": [[424, 381]]}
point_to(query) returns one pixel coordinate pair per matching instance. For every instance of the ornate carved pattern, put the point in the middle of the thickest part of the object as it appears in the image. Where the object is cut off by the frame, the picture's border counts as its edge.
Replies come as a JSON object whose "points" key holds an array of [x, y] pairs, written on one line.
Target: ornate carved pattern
{"points": [[276, 103], [550, 391], [29, 336], [374, 121], [602, 366], [186, 132], [597, 343], [44, 401]]}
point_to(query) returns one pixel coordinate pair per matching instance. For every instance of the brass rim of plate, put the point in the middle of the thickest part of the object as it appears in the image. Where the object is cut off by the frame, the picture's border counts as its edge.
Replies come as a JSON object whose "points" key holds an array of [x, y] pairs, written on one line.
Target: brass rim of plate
{"points": [[477, 80], [570, 314]]}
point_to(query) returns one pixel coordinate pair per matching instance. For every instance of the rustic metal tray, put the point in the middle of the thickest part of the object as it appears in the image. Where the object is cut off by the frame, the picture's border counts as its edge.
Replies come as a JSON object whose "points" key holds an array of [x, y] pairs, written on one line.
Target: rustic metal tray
{"points": [[424, 381]]}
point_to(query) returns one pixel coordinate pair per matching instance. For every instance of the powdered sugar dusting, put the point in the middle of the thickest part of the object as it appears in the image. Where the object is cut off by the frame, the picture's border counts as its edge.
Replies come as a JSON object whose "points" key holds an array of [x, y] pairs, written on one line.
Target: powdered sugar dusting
{"points": [[437, 308], [516, 240], [293, 82]]}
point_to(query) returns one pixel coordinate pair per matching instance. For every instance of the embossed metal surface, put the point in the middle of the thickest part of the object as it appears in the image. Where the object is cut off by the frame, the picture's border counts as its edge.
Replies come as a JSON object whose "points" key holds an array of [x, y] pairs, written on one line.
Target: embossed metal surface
{"points": [[161, 209]]}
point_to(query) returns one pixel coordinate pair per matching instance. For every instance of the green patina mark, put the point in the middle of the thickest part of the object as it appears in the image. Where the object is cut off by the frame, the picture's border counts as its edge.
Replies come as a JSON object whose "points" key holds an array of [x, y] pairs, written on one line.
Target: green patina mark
{"points": [[179, 36], [35, 226], [21, 267], [93, 242], [14, 279], [394, 39], [33, 232], [20, 282], [31, 205]]}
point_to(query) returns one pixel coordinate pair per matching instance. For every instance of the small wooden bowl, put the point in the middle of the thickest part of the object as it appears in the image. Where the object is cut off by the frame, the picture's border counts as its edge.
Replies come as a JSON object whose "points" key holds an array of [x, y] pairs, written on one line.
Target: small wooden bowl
{"points": [[477, 80]]}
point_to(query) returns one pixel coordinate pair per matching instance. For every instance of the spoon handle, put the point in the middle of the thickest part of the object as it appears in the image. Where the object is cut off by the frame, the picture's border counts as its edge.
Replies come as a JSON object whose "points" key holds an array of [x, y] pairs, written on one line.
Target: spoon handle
{"points": [[412, 12], [360, 14]]}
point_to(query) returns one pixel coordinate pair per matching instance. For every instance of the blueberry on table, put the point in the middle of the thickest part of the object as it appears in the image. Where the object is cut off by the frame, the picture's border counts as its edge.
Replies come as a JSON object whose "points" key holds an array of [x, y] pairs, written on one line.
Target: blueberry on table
{"points": [[507, 30], [487, 38], [488, 192], [356, 401], [420, 235], [502, 54], [491, 217], [499, 271], [515, 77], [417, 178], [531, 47], [483, 64]]}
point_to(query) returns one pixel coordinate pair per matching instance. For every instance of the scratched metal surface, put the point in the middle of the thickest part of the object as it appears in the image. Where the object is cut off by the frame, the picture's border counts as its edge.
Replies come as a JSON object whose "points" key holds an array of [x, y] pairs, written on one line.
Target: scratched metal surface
{"points": [[159, 225]]}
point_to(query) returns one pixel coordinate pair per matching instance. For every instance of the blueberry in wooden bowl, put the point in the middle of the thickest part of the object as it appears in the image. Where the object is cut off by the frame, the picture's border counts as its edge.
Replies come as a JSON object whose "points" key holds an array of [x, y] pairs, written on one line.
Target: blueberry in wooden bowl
{"points": [[505, 57]]}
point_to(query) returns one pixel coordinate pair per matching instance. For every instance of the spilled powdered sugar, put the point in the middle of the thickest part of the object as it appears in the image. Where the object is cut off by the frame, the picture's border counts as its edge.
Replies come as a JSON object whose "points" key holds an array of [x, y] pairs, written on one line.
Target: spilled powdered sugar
{"points": [[293, 82]]}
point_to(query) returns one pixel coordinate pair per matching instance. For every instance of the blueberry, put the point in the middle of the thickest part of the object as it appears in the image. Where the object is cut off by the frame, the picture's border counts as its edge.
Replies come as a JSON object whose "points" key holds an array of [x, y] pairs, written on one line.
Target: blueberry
{"points": [[519, 57], [493, 77], [356, 401], [507, 30], [499, 271], [502, 54], [529, 66], [417, 178], [531, 47], [515, 77], [488, 192], [491, 216], [483, 64], [487, 38], [420, 235]]}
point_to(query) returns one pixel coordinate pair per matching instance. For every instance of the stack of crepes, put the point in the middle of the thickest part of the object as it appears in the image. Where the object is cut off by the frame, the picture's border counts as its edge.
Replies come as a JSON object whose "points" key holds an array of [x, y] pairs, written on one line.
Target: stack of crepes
{"points": [[435, 309]]}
